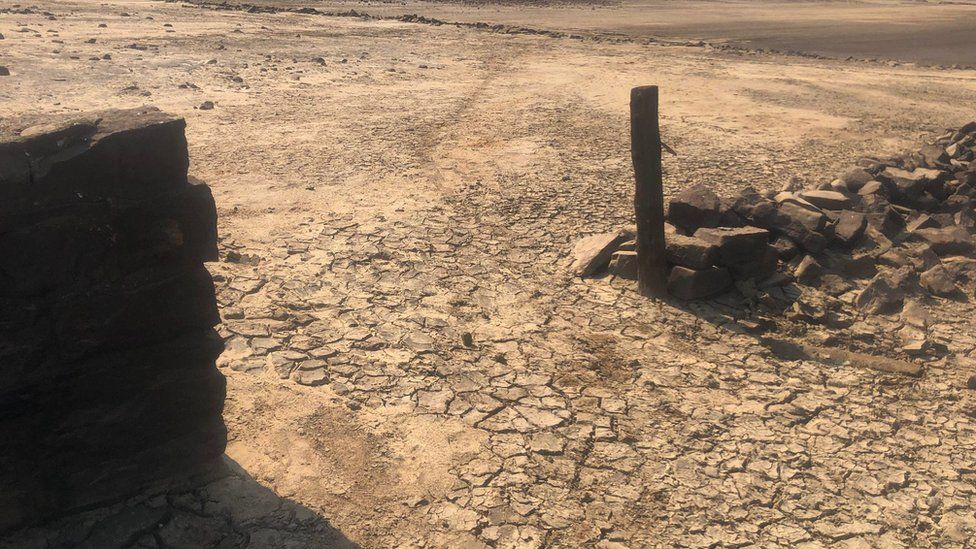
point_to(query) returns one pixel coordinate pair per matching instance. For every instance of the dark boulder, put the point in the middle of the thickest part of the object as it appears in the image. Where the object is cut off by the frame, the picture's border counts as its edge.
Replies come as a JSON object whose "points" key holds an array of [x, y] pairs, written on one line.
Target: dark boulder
{"points": [[695, 207]]}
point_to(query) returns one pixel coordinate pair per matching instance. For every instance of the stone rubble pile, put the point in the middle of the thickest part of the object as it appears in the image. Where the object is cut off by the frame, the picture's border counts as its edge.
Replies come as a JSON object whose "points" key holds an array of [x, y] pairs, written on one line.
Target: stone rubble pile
{"points": [[108, 384], [881, 231]]}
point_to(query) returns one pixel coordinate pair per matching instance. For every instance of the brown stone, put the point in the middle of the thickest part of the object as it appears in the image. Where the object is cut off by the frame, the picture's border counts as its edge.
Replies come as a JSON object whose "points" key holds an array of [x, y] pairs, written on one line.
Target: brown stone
{"points": [[690, 251], [691, 284], [880, 296], [623, 264], [808, 272], [695, 207], [737, 244], [827, 200], [947, 241], [850, 227], [938, 281], [592, 253]]}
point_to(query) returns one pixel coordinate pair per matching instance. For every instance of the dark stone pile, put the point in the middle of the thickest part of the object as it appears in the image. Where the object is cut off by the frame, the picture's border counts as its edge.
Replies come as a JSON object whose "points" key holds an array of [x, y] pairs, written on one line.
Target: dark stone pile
{"points": [[107, 349], [885, 229]]}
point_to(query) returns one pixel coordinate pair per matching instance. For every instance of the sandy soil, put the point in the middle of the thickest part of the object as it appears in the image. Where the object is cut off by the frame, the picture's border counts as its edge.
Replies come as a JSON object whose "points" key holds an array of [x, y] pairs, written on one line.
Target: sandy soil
{"points": [[931, 33], [386, 188]]}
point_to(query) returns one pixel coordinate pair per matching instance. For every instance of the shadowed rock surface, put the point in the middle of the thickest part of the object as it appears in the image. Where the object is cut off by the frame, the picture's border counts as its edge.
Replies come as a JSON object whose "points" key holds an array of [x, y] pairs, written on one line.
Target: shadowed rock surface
{"points": [[107, 379]]}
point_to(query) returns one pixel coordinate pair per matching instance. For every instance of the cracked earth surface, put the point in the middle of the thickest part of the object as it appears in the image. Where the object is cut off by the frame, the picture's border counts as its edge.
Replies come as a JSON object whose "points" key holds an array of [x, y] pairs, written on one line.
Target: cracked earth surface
{"points": [[407, 355]]}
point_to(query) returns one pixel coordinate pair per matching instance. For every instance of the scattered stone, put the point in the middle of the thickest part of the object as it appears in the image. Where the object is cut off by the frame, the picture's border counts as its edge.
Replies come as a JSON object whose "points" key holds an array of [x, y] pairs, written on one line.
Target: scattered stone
{"points": [[880, 297], [810, 216], [623, 264], [905, 278], [855, 178], [887, 221], [808, 272], [915, 315], [834, 284], [691, 284], [735, 245], [948, 241], [851, 266], [922, 222], [850, 227], [4, 71], [592, 254], [938, 281], [758, 268], [311, 377], [828, 200], [934, 155], [785, 248], [841, 357], [631, 245], [695, 207], [906, 187], [779, 218], [206, 106], [965, 219], [690, 251]]}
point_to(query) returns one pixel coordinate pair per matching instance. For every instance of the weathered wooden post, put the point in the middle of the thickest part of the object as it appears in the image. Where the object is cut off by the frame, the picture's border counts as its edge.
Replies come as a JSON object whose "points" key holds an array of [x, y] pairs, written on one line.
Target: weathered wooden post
{"points": [[645, 151]]}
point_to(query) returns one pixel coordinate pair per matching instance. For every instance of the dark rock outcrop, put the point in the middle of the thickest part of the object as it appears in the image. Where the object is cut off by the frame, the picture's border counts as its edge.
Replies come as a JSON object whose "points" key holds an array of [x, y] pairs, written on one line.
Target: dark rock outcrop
{"points": [[107, 379]]}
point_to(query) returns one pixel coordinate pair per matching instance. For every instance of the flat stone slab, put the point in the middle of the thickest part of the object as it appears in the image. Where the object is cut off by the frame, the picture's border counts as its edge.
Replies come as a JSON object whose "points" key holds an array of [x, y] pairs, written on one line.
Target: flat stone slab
{"points": [[827, 200], [593, 252], [690, 251], [953, 240], [735, 245]]}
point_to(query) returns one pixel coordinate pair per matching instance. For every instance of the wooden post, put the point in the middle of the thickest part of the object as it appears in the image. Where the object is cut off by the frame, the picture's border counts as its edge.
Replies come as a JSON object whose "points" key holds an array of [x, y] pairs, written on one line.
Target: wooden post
{"points": [[645, 151]]}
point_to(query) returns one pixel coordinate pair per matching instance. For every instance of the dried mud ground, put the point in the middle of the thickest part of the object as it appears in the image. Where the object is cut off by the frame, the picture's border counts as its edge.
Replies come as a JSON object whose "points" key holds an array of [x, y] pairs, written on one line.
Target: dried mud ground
{"points": [[386, 188]]}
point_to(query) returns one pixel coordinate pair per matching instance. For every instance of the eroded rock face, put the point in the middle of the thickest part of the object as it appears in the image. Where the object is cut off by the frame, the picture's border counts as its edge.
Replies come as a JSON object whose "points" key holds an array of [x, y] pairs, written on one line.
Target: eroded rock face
{"points": [[107, 349]]}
